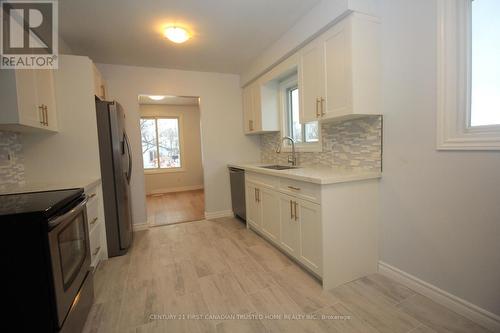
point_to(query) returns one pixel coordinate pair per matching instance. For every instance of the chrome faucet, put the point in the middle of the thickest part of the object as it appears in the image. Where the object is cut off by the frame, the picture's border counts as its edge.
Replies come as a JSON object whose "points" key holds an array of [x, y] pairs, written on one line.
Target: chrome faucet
{"points": [[291, 158]]}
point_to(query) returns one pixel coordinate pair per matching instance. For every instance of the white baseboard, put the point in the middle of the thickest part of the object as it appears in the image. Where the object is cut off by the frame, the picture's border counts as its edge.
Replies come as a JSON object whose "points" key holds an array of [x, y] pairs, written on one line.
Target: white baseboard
{"points": [[175, 189], [473, 312], [140, 226], [219, 214]]}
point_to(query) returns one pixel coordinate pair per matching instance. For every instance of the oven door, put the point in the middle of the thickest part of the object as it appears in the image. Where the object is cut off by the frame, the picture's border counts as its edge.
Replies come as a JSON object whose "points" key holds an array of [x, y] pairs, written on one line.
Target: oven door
{"points": [[70, 255]]}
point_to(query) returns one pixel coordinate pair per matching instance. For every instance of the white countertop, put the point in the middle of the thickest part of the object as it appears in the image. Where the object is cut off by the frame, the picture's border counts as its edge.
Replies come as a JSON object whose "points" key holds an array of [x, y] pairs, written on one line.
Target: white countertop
{"points": [[317, 175], [86, 184]]}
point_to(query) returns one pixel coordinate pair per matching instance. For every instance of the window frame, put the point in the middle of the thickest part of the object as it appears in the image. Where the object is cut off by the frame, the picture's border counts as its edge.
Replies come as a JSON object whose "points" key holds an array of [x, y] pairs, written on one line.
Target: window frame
{"points": [[181, 146], [285, 86], [454, 53]]}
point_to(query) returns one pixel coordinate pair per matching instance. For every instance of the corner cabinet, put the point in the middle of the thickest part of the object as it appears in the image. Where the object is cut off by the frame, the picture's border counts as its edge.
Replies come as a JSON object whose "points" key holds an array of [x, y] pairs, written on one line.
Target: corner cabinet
{"points": [[28, 100], [339, 71], [321, 227], [260, 108]]}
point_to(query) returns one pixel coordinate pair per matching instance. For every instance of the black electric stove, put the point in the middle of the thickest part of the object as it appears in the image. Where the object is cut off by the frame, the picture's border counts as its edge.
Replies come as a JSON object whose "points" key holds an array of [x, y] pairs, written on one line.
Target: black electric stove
{"points": [[44, 204], [45, 283]]}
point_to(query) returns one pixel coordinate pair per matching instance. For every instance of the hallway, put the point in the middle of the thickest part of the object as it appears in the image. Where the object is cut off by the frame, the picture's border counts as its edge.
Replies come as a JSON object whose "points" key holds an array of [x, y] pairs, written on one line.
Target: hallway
{"points": [[175, 207]]}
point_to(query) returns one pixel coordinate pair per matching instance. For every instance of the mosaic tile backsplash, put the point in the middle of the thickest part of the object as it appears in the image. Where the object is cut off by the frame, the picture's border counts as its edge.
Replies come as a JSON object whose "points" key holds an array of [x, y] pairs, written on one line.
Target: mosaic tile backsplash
{"points": [[351, 144], [11, 160]]}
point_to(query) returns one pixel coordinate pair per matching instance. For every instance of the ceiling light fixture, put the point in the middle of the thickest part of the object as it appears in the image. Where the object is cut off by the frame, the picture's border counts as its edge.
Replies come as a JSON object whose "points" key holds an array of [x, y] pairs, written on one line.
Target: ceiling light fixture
{"points": [[156, 97], [176, 34]]}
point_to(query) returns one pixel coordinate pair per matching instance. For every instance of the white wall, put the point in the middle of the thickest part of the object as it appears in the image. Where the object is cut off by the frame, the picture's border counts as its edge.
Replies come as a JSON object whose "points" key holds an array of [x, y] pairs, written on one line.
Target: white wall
{"points": [[73, 152], [221, 124], [440, 209], [192, 170]]}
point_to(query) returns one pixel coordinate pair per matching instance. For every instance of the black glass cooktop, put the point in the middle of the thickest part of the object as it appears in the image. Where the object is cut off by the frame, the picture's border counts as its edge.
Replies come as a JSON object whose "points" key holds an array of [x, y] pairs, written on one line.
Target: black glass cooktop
{"points": [[46, 203]]}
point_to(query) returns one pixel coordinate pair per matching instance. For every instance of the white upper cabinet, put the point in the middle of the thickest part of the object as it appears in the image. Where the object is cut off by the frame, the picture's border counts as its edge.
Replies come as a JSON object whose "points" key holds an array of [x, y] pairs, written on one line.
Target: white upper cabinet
{"points": [[27, 100], [339, 71], [311, 81], [260, 108], [99, 84]]}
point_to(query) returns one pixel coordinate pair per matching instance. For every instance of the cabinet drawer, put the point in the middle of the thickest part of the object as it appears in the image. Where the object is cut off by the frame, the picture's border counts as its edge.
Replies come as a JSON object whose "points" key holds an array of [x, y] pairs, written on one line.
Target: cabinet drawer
{"points": [[307, 191], [95, 244], [262, 180], [92, 213]]}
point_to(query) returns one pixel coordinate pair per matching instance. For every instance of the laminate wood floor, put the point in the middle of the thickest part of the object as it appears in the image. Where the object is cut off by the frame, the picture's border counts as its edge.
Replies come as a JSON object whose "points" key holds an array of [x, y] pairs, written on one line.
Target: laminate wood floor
{"points": [[217, 276], [175, 207]]}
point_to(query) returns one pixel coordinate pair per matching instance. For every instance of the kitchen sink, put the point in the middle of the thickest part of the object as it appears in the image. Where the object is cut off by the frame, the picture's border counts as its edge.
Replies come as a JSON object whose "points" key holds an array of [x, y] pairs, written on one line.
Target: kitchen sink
{"points": [[278, 167]]}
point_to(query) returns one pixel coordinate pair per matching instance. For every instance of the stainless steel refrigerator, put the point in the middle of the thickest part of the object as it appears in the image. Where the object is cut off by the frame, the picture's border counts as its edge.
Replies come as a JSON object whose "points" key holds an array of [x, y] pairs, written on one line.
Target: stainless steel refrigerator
{"points": [[116, 169]]}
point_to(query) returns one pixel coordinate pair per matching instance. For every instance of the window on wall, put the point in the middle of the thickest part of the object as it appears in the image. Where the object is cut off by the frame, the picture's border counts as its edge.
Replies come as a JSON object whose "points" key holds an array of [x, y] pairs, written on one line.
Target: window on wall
{"points": [[485, 67], [305, 135], [161, 143], [468, 75]]}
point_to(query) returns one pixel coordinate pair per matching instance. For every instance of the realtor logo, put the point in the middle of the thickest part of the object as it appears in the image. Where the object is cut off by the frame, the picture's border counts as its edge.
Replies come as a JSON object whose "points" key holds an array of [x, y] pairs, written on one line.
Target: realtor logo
{"points": [[29, 34]]}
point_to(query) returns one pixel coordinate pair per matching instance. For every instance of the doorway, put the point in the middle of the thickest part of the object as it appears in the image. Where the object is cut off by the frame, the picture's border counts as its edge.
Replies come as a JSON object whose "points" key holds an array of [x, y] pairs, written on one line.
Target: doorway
{"points": [[172, 160]]}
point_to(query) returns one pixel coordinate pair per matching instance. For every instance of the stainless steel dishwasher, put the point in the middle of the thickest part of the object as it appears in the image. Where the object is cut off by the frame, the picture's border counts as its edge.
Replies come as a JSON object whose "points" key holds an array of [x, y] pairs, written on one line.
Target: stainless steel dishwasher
{"points": [[237, 178]]}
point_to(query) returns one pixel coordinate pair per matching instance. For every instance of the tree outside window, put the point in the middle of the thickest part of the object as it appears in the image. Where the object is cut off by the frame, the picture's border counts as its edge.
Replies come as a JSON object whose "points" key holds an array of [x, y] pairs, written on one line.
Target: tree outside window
{"points": [[160, 143]]}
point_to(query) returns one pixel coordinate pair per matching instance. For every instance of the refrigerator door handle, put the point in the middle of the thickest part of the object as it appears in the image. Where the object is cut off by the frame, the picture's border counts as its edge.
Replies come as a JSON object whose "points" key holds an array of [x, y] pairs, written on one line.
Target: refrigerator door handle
{"points": [[129, 172]]}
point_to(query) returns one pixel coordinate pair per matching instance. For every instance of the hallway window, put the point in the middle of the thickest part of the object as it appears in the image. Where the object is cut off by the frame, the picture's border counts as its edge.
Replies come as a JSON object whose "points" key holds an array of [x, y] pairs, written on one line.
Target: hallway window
{"points": [[161, 146]]}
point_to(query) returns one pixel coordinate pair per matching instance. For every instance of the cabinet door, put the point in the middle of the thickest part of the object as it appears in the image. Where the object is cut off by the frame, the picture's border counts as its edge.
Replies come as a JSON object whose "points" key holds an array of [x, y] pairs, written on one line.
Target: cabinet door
{"points": [[270, 205], [46, 96], [309, 217], [254, 214], [290, 229], [311, 82], [338, 72], [29, 108], [248, 119], [256, 106]]}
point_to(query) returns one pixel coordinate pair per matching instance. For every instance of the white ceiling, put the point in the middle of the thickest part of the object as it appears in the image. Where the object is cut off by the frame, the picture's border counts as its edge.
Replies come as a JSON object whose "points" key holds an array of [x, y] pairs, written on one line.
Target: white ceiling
{"points": [[170, 100], [227, 34]]}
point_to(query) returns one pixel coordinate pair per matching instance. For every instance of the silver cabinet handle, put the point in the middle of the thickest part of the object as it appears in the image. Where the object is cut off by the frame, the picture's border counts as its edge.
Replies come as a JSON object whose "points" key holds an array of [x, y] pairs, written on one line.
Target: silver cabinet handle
{"points": [[94, 221], [294, 188], [96, 251], [322, 106], [295, 210], [317, 107], [291, 210], [258, 195], [46, 115], [42, 117]]}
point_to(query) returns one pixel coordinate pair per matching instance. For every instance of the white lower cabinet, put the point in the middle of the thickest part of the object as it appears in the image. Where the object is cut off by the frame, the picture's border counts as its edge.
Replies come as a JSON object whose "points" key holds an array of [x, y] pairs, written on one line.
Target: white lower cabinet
{"points": [[96, 225], [293, 224], [290, 230], [269, 202], [254, 214], [329, 229], [308, 215]]}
